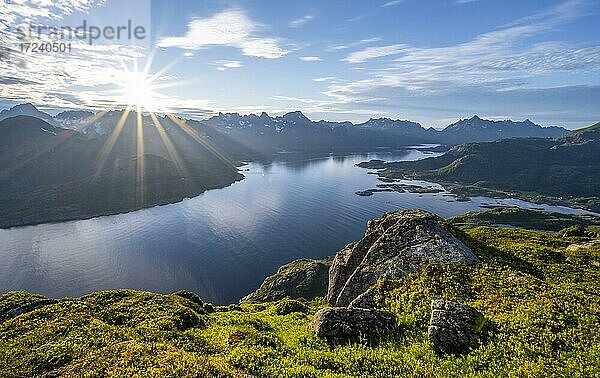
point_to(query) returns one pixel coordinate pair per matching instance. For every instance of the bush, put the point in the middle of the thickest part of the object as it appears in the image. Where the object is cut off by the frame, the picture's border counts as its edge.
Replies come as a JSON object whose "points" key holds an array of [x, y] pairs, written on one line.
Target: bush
{"points": [[287, 306]]}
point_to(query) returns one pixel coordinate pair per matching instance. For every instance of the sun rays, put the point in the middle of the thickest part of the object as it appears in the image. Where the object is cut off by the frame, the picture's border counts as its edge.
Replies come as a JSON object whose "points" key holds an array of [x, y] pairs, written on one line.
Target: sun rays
{"points": [[139, 90]]}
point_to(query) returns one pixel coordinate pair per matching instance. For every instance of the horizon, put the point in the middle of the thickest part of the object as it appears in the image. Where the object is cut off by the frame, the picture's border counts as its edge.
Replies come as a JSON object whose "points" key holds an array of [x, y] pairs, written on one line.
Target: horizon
{"points": [[55, 112], [350, 61]]}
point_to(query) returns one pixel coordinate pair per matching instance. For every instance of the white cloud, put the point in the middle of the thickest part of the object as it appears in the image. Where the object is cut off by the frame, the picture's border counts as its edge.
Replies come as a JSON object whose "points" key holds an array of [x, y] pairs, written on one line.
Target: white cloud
{"points": [[301, 21], [501, 60], [374, 52], [229, 28], [310, 58], [323, 79], [227, 64], [355, 44], [391, 3], [87, 77], [460, 2]]}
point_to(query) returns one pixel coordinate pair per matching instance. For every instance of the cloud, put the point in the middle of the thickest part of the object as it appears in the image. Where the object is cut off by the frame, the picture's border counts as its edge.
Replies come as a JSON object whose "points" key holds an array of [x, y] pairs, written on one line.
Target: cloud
{"points": [[301, 21], [54, 79], [88, 77], [229, 28], [310, 58], [227, 64], [322, 79], [354, 44], [374, 52], [391, 3], [460, 2], [499, 61]]}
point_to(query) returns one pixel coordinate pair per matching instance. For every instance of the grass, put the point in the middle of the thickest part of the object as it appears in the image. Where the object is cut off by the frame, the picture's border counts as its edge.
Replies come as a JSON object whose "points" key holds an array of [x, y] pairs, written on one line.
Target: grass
{"points": [[525, 218], [540, 300]]}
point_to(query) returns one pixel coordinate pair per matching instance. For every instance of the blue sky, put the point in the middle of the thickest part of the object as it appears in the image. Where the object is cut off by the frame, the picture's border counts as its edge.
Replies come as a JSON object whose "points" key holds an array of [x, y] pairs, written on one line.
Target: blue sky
{"points": [[428, 61]]}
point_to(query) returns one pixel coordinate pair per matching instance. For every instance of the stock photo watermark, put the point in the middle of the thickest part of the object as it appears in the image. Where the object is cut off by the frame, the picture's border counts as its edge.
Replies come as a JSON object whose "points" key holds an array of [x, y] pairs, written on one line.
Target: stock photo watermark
{"points": [[46, 38]]}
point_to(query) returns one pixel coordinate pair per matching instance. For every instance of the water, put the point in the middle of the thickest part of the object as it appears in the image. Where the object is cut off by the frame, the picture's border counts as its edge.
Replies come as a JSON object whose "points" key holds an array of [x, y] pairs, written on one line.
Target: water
{"points": [[223, 243]]}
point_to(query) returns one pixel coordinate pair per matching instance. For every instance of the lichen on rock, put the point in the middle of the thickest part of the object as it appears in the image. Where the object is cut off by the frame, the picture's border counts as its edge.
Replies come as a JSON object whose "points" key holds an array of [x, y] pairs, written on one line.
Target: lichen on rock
{"points": [[394, 245]]}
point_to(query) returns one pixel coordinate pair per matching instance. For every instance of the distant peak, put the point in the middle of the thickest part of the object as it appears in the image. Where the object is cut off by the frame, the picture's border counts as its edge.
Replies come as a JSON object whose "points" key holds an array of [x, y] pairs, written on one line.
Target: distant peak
{"points": [[476, 118], [26, 106], [295, 115]]}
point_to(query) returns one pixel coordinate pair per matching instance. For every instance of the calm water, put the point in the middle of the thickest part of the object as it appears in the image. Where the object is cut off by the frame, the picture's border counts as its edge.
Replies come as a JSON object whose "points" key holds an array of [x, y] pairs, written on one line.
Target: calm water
{"points": [[220, 244]]}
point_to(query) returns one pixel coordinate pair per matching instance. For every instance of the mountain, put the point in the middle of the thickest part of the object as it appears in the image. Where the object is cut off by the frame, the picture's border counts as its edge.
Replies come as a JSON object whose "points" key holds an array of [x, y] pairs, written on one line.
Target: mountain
{"points": [[27, 110], [81, 164], [564, 170], [476, 129], [295, 131], [265, 135], [74, 119], [52, 174]]}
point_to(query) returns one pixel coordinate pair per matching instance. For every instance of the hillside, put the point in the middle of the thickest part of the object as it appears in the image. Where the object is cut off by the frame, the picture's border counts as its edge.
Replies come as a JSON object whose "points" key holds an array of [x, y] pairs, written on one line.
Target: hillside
{"points": [[565, 170], [536, 290], [49, 173], [529, 219], [81, 164]]}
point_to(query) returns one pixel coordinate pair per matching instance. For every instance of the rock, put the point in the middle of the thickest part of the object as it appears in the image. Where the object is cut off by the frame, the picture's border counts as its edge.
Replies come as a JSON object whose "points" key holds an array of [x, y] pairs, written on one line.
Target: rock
{"points": [[28, 308], [303, 278], [344, 322], [365, 300], [287, 306], [573, 231], [190, 296], [394, 245], [454, 327]]}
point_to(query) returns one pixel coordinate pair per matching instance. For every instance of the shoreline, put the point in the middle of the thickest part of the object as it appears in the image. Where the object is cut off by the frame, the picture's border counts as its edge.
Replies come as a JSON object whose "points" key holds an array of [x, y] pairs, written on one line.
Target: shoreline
{"points": [[83, 217]]}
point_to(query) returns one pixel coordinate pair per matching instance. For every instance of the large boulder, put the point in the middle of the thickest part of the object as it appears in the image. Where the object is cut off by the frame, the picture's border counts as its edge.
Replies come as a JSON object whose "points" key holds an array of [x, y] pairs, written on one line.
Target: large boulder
{"points": [[304, 278], [454, 327], [365, 300], [394, 245], [344, 322]]}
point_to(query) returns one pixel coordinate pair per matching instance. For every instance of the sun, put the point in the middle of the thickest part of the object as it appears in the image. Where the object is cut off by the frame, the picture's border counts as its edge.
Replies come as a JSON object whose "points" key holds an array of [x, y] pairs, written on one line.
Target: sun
{"points": [[138, 90]]}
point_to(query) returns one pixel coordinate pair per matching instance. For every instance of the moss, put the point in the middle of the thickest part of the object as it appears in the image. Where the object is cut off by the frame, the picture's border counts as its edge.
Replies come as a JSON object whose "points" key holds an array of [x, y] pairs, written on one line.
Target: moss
{"points": [[288, 306], [537, 290], [15, 299], [189, 295]]}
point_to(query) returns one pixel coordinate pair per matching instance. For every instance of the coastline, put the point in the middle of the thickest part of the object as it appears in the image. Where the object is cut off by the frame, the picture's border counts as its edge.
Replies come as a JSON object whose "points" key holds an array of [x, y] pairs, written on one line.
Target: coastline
{"points": [[86, 216]]}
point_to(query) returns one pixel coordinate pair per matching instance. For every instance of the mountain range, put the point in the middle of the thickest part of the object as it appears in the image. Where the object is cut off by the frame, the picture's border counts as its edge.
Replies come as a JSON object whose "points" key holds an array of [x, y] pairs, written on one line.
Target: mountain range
{"points": [[563, 170], [80, 164], [265, 134]]}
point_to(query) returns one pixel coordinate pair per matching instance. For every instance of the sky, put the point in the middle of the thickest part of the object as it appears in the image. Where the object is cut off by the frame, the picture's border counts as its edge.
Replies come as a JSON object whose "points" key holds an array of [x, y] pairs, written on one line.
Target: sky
{"points": [[432, 62]]}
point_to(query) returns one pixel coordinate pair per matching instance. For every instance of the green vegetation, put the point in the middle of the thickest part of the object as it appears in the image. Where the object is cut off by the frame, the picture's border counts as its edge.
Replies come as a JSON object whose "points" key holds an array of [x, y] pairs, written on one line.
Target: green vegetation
{"points": [[564, 171], [524, 218], [538, 291]]}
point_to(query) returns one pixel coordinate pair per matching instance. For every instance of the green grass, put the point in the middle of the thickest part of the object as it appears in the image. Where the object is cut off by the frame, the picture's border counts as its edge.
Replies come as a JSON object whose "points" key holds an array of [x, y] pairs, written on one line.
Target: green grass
{"points": [[525, 218], [540, 300], [563, 171]]}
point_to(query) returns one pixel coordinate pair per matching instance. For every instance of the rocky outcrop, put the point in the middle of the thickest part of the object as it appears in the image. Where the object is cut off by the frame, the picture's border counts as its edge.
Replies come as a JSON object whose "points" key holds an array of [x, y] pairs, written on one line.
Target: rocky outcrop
{"points": [[27, 308], [365, 300], [303, 278], [343, 322], [454, 327], [394, 245]]}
